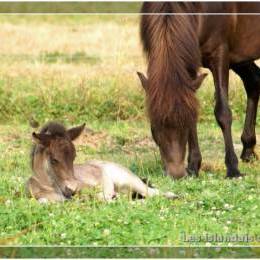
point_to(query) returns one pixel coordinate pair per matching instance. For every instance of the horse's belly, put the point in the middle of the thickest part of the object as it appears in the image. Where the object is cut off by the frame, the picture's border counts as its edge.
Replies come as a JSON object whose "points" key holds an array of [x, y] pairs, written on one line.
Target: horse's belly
{"points": [[245, 43], [245, 52]]}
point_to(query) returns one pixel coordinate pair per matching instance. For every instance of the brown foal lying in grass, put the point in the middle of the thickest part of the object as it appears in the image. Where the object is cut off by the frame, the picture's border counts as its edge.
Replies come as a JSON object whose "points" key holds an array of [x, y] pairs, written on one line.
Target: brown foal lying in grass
{"points": [[56, 178]]}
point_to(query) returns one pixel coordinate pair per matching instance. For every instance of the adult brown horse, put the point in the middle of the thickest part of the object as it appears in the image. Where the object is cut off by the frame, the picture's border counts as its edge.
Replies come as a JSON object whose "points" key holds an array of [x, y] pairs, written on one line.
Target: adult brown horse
{"points": [[222, 36]]}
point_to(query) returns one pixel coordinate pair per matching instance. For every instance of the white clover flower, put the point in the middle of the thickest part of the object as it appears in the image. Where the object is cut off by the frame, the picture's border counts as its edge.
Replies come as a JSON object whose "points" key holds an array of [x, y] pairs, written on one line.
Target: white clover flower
{"points": [[250, 197], [106, 232], [8, 202], [225, 228], [226, 206]]}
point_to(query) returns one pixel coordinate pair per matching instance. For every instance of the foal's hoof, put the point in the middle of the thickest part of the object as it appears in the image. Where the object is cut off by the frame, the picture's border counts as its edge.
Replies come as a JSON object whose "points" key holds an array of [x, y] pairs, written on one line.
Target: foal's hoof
{"points": [[248, 155]]}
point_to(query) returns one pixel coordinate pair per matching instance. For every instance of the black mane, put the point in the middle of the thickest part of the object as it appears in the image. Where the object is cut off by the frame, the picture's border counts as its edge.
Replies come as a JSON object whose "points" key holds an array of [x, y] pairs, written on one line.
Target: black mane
{"points": [[54, 128]]}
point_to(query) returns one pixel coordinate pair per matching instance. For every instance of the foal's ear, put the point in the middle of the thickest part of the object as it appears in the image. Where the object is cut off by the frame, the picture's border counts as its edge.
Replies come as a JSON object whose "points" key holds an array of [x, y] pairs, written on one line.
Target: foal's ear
{"points": [[75, 132], [43, 139], [143, 80]]}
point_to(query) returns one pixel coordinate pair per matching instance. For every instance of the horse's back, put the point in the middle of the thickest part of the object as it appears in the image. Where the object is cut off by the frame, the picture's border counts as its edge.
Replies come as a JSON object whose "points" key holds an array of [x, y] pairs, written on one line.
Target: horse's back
{"points": [[239, 31]]}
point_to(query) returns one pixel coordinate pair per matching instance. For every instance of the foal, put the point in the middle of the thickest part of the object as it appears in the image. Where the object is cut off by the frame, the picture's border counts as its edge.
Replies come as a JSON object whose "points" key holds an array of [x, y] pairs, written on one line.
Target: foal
{"points": [[57, 179]]}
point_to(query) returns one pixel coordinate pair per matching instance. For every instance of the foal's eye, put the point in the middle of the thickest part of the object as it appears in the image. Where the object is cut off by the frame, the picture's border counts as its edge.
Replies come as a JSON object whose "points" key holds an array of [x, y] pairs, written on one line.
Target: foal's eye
{"points": [[54, 161]]}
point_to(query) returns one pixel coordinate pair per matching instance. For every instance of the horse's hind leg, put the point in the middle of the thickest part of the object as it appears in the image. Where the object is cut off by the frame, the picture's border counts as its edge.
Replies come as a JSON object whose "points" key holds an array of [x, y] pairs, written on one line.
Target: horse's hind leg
{"points": [[250, 75]]}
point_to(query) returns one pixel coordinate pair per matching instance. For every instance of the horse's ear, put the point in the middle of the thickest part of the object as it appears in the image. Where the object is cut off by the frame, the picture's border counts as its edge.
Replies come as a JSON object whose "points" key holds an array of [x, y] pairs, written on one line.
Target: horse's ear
{"points": [[198, 81], [75, 132], [143, 80], [43, 139]]}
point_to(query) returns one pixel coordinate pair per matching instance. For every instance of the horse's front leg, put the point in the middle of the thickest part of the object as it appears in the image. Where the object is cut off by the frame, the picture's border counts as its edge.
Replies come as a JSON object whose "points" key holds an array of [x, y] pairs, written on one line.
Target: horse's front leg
{"points": [[250, 74], [219, 66], [194, 156]]}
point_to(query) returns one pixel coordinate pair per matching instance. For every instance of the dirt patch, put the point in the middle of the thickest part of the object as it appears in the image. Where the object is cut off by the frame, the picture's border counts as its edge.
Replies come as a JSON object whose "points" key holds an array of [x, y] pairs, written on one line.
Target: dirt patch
{"points": [[94, 139], [145, 142]]}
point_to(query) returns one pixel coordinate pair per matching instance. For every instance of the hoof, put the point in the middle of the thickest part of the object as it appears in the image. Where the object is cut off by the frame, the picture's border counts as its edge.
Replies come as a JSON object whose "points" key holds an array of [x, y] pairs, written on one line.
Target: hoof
{"points": [[192, 173], [248, 155], [234, 173]]}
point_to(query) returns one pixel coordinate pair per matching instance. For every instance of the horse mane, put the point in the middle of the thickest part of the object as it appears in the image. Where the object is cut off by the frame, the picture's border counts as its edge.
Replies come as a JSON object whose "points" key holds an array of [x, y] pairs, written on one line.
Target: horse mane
{"points": [[172, 48]]}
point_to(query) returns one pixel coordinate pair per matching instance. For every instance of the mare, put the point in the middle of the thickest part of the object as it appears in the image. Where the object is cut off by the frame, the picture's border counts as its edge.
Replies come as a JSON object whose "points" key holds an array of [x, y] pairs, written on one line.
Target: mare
{"points": [[179, 38]]}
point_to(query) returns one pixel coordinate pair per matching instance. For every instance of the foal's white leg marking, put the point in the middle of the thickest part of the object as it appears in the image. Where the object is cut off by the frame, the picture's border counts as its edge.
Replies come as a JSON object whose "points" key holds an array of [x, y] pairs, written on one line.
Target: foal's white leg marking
{"points": [[43, 200], [155, 192], [108, 188]]}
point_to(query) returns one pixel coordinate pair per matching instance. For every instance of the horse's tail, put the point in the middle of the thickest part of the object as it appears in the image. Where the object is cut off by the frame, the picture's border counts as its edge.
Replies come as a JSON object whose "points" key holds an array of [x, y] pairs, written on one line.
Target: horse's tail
{"points": [[172, 46]]}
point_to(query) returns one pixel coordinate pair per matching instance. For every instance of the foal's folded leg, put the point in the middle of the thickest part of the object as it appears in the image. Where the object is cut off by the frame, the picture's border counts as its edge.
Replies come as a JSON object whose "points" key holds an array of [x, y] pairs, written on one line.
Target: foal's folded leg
{"points": [[50, 197], [138, 186], [108, 189]]}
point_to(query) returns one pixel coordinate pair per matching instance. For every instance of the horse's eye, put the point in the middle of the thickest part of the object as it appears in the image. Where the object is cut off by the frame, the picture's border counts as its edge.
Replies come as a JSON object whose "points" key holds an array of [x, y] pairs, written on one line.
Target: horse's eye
{"points": [[54, 161]]}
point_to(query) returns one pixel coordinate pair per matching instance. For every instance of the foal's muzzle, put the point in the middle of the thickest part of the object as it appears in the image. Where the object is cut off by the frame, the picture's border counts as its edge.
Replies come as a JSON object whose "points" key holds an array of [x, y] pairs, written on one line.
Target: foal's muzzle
{"points": [[68, 193]]}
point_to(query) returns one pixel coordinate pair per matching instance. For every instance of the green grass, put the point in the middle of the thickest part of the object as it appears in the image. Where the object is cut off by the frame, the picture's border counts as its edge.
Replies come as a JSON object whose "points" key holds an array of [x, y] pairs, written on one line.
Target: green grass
{"points": [[99, 86], [209, 204]]}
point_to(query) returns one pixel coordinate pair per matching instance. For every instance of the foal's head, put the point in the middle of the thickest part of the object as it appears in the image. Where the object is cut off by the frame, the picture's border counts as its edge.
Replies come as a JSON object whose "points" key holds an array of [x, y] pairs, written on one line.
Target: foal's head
{"points": [[54, 154]]}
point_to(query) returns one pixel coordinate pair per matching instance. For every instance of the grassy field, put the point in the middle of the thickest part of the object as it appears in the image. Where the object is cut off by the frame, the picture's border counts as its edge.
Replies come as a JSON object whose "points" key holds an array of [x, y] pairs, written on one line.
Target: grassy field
{"points": [[83, 69]]}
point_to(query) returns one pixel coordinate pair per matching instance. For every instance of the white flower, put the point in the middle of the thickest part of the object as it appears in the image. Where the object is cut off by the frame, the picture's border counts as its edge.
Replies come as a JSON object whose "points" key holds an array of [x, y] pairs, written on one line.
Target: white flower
{"points": [[106, 232], [225, 228], [226, 206], [8, 202], [63, 235]]}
